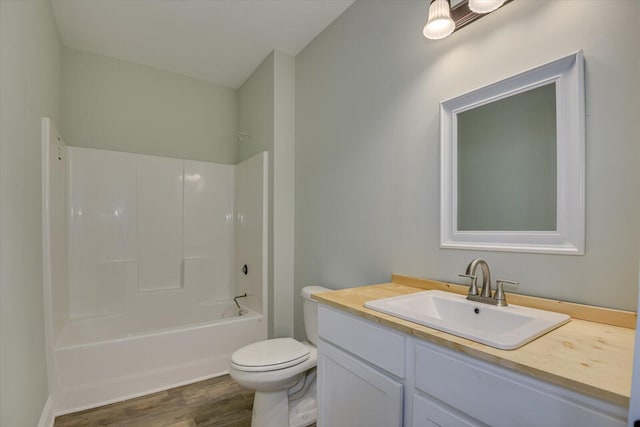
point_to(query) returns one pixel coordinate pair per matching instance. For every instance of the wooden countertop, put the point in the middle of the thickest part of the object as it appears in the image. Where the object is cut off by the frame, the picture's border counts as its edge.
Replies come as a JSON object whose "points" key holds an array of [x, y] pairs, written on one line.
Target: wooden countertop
{"points": [[590, 357]]}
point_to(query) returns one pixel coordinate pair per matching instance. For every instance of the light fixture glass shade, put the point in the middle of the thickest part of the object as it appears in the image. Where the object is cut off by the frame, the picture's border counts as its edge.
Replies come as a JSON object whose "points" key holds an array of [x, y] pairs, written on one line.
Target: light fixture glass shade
{"points": [[439, 23], [484, 6]]}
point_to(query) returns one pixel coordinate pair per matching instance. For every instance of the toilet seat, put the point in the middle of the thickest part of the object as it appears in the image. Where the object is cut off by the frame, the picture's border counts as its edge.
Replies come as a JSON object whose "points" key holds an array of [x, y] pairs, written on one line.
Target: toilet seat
{"points": [[270, 355]]}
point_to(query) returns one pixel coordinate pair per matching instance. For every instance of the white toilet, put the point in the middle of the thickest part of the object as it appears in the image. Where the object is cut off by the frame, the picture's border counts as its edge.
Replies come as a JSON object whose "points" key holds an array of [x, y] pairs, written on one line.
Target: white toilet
{"points": [[282, 372]]}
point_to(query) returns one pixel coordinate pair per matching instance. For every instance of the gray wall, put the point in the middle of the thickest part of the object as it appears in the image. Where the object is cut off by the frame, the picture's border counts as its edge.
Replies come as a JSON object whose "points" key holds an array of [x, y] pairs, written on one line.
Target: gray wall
{"points": [[367, 144], [255, 117], [266, 113], [116, 105], [283, 193], [30, 69], [255, 110]]}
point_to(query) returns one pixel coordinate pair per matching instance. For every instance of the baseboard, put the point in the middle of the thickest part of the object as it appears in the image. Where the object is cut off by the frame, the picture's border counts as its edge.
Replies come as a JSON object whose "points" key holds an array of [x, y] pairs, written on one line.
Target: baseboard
{"points": [[47, 418]]}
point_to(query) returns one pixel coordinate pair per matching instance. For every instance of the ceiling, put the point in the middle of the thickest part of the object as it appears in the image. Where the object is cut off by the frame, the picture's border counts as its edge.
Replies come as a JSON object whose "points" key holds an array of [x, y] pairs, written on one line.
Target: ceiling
{"points": [[219, 41]]}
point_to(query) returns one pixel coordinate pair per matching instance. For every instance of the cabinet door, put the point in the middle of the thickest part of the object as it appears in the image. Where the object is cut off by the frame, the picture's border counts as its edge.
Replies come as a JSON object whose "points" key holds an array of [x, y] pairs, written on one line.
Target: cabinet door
{"points": [[353, 394]]}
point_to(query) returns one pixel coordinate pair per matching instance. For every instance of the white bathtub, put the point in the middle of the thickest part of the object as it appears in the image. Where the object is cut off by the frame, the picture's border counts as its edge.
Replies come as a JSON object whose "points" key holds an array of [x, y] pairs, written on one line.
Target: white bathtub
{"points": [[101, 360]]}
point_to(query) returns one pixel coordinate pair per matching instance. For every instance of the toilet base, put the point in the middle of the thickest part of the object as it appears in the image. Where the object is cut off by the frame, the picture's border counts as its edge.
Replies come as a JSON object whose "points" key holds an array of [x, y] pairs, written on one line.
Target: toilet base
{"points": [[304, 411], [274, 409], [270, 409]]}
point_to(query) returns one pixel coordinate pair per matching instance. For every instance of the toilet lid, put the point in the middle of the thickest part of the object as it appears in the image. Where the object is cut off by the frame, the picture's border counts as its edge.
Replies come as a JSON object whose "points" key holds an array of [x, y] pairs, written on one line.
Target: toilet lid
{"points": [[269, 355]]}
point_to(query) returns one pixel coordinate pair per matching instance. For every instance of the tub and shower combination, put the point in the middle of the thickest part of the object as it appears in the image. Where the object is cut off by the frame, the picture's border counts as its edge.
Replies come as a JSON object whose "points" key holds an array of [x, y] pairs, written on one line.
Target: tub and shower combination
{"points": [[103, 360], [142, 258]]}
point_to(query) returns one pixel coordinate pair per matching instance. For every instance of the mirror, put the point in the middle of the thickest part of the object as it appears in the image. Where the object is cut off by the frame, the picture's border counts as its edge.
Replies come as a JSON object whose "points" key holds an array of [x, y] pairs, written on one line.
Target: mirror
{"points": [[506, 165], [513, 156]]}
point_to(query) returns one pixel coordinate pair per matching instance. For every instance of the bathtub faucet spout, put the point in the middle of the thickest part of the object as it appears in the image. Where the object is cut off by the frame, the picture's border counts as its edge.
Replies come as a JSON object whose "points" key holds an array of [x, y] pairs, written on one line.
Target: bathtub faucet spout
{"points": [[235, 299]]}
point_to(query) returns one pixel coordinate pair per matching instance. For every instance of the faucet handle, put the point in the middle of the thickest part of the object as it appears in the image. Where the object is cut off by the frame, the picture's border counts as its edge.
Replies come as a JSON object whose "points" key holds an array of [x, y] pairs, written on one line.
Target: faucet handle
{"points": [[501, 299], [473, 288]]}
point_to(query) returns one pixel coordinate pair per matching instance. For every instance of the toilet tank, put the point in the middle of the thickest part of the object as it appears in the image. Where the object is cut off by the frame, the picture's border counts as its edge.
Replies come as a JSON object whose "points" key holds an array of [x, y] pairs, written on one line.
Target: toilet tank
{"points": [[310, 309]]}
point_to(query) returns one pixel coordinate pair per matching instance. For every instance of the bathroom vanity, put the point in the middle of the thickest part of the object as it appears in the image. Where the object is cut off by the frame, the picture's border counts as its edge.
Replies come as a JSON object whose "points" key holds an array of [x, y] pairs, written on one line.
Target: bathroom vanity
{"points": [[378, 370]]}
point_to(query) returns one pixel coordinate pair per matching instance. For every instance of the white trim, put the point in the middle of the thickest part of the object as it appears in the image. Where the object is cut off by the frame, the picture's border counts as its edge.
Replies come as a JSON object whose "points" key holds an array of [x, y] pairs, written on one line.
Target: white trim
{"points": [[48, 131], [634, 400], [569, 238], [265, 242], [47, 417]]}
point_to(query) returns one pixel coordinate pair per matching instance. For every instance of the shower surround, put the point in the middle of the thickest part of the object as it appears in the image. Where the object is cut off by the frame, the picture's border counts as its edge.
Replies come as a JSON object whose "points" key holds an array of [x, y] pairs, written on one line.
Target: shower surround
{"points": [[143, 256]]}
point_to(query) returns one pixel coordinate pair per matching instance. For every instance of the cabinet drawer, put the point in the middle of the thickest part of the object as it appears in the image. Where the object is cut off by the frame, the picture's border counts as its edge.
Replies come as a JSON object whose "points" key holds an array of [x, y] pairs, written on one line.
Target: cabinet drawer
{"points": [[429, 413], [502, 398], [380, 346]]}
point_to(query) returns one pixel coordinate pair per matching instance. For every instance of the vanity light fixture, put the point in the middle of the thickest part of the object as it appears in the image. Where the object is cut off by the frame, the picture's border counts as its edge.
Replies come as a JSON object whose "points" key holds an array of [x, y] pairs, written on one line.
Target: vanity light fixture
{"points": [[439, 23], [447, 16], [484, 6]]}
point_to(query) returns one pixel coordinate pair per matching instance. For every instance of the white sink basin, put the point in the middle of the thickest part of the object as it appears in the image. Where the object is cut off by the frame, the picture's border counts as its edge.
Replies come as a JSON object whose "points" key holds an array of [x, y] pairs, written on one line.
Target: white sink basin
{"points": [[506, 328]]}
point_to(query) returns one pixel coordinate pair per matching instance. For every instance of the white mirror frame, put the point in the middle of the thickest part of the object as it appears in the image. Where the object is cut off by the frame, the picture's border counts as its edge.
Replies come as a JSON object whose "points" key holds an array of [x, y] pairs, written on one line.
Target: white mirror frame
{"points": [[569, 238]]}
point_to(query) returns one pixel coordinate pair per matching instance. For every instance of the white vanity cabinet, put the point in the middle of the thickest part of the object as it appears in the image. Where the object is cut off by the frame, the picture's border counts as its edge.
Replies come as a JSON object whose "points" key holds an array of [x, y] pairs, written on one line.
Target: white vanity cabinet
{"points": [[361, 367], [484, 394], [371, 375]]}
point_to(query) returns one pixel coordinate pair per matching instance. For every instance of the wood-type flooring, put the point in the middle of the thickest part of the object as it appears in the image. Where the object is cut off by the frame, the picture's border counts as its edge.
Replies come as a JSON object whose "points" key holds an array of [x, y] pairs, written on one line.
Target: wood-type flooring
{"points": [[218, 402]]}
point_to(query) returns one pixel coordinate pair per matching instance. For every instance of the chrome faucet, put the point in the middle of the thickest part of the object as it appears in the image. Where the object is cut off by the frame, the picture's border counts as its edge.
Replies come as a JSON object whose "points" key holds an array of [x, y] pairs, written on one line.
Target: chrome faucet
{"points": [[484, 295], [485, 291]]}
